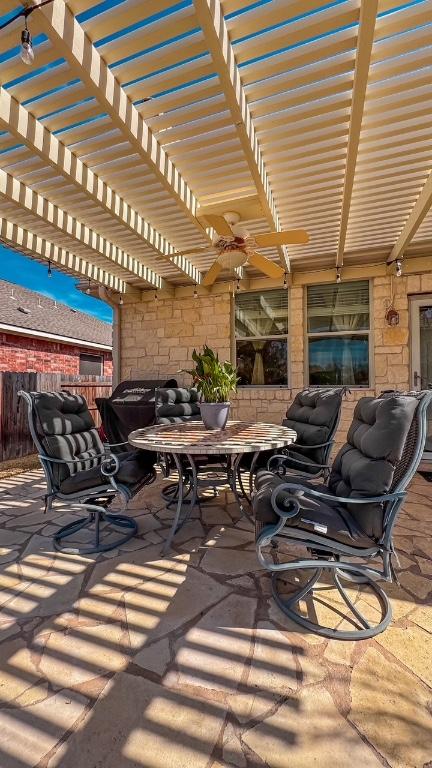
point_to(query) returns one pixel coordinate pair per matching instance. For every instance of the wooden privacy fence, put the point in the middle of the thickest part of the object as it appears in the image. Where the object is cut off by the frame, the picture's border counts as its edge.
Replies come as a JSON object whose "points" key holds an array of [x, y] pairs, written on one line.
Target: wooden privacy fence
{"points": [[15, 439]]}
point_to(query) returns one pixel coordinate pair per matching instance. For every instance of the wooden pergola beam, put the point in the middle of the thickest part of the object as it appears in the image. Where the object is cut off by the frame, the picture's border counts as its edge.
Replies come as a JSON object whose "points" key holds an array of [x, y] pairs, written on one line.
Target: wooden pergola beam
{"points": [[418, 213], [366, 32], [24, 197], [16, 119], [25, 241], [71, 40], [210, 16]]}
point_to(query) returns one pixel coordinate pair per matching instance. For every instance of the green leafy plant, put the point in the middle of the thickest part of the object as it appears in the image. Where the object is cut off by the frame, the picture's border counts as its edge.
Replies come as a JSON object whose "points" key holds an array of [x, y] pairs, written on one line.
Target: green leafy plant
{"points": [[214, 380]]}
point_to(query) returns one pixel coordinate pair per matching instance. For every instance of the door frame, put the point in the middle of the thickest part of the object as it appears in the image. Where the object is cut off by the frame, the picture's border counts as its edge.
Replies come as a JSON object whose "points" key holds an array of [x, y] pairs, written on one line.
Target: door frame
{"points": [[415, 303]]}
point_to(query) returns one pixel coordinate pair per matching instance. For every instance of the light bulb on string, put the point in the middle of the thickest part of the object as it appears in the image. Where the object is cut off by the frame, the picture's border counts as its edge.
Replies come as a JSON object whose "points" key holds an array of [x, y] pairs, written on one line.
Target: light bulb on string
{"points": [[26, 51], [398, 268]]}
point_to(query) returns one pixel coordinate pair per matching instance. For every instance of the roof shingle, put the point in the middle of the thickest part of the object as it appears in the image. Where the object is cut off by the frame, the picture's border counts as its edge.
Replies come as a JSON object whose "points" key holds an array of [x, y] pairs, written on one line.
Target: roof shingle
{"points": [[26, 309]]}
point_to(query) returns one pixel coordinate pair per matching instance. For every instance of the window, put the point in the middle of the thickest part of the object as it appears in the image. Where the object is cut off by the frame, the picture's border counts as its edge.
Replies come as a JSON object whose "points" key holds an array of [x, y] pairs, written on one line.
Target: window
{"points": [[90, 365], [338, 322], [261, 337]]}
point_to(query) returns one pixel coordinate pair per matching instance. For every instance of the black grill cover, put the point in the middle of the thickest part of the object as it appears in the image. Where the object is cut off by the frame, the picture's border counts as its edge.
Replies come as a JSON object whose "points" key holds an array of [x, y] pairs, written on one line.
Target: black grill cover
{"points": [[131, 406]]}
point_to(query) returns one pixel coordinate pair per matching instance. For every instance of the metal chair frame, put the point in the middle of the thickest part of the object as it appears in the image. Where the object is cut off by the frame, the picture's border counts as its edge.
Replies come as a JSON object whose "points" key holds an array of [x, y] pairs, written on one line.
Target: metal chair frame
{"points": [[93, 501], [327, 554]]}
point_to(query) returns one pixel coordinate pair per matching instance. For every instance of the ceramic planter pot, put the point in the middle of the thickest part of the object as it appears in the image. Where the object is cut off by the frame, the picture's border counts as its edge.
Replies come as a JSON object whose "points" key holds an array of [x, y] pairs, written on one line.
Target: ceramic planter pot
{"points": [[215, 415]]}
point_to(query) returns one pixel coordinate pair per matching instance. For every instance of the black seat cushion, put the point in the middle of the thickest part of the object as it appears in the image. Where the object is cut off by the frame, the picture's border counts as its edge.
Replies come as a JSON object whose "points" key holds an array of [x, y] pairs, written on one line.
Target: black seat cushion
{"points": [[176, 405], [136, 468], [318, 517], [313, 415], [68, 432], [365, 465]]}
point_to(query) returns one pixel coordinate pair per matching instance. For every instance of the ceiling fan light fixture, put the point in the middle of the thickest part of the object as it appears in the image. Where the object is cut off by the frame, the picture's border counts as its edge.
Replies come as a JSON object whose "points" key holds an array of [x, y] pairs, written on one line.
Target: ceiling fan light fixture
{"points": [[232, 257]]}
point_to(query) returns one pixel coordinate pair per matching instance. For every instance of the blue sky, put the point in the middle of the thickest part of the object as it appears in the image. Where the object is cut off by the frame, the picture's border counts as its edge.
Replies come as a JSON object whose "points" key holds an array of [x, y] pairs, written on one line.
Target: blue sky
{"points": [[22, 270]]}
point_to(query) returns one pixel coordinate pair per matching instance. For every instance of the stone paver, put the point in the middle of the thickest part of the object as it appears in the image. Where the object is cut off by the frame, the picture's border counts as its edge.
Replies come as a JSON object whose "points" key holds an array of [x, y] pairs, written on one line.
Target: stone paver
{"points": [[137, 660]]}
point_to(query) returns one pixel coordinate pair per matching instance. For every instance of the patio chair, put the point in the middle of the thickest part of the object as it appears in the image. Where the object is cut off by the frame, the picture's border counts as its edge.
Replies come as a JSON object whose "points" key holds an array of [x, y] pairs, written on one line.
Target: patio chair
{"points": [[351, 517], [314, 415], [81, 470]]}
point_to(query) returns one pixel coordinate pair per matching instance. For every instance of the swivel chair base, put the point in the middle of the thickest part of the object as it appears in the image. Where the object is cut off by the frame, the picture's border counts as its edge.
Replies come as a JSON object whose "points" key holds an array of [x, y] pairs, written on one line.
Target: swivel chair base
{"points": [[96, 515]]}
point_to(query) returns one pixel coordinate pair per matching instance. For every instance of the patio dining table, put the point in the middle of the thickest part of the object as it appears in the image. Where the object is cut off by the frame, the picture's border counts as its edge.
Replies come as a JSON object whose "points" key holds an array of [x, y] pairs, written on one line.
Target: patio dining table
{"points": [[191, 440]]}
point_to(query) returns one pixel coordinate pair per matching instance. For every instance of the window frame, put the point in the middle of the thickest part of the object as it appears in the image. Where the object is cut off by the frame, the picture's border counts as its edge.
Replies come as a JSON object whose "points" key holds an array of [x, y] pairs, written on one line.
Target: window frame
{"points": [[97, 356], [369, 332], [234, 339]]}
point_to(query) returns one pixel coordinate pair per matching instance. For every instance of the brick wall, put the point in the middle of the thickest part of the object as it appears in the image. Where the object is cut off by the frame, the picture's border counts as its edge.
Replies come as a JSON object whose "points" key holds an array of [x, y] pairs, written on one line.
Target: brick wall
{"points": [[22, 354], [158, 337]]}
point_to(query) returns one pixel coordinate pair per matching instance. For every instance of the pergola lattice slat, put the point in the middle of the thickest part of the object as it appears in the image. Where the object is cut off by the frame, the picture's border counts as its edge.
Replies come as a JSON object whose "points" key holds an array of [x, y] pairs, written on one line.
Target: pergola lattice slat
{"points": [[418, 213], [368, 16], [16, 119], [84, 59], [212, 21], [24, 240], [21, 195]]}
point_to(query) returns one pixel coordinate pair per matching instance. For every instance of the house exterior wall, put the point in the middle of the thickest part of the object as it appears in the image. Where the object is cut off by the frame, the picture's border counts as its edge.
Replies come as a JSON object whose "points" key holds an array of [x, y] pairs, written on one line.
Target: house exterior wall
{"points": [[25, 354], [159, 336]]}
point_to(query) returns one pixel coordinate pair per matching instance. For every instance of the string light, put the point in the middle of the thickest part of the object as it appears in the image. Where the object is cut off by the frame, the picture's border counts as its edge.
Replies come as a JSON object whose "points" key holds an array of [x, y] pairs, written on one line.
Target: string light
{"points": [[338, 275], [88, 289], [26, 47], [49, 269], [398, 268]]}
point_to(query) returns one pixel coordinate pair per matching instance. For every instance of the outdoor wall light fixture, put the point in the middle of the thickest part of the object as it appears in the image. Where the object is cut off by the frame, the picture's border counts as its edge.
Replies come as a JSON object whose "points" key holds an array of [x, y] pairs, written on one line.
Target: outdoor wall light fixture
{"points": [[121, 300], [398, 264], [155, 296], [338, 275], [26, 48], [49, 269], [285, 284], [88, 289], [238, 285], [195, 293]]}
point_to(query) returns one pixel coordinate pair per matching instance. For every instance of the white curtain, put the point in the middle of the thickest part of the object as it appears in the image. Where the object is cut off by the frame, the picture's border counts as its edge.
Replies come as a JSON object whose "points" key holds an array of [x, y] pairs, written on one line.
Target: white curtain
{"points": [[347, 317]]}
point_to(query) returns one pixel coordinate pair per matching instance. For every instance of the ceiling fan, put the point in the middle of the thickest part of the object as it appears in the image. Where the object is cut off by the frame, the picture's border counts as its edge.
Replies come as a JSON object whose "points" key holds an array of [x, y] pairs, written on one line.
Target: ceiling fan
{"points": [[236, 246]]}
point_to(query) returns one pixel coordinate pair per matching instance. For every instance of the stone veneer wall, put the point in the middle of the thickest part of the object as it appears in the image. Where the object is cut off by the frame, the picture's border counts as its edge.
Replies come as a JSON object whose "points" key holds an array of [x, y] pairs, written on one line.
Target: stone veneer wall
{"points": [[158, 337]]}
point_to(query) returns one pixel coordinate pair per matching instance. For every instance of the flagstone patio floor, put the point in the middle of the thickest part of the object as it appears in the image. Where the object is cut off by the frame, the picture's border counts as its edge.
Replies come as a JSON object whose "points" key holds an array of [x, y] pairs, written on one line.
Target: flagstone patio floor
{"points": [[133, 660]]}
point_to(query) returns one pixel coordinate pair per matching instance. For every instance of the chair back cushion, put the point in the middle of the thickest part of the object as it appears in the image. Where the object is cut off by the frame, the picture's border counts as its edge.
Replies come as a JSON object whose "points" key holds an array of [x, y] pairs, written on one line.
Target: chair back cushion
{"points": [[177, 404], [365, 465], [67, 431], [314, 415]]}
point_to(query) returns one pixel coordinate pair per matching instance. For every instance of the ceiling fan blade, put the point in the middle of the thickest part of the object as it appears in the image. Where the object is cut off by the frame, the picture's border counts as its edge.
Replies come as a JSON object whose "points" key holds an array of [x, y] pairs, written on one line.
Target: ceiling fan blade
{"points": [[265, 265], [219, 224], [287, 237], [212, 274]]}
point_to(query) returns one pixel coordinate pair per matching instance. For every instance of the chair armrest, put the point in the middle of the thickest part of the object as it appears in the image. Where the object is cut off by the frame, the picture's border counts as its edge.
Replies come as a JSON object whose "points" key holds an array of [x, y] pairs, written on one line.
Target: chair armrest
{"points": [[115, 445], [302, 491], [310, 447], [104, 465], [282, 457]]}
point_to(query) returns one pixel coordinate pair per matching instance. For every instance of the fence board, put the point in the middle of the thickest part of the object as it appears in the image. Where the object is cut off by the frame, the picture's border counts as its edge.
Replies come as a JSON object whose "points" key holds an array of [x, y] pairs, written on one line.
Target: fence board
{"points": [[15, 438]]}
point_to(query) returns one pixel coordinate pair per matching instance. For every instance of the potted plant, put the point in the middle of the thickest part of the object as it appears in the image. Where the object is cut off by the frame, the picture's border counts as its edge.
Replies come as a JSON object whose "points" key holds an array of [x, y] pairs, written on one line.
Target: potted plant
{"points": [[214, 381]]}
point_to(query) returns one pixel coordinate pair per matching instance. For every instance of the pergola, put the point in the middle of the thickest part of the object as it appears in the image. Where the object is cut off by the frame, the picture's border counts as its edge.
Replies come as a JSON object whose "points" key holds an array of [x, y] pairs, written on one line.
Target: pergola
{"points": [[139, 118]]}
